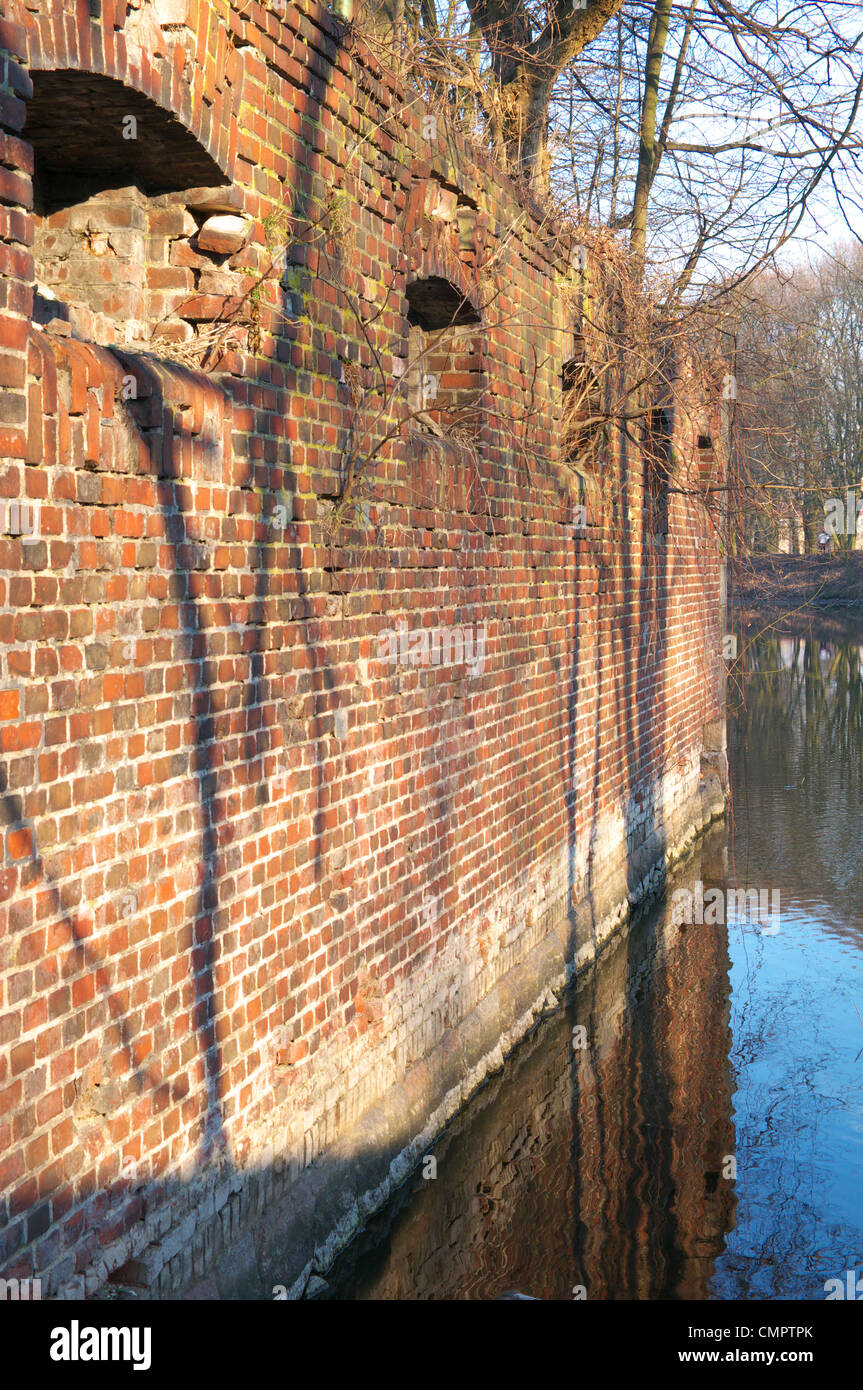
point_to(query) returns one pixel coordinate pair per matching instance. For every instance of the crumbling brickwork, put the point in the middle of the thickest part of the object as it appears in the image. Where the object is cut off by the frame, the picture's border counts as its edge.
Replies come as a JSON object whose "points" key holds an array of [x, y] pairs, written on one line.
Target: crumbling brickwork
{"points": [[330, 737]]}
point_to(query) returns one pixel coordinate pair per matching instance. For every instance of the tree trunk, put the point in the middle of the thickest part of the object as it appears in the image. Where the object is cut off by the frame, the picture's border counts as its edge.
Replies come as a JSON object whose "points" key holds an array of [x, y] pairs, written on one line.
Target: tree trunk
{"points": [[383, 18], [656, 40], [525, 68], [524, 125]]}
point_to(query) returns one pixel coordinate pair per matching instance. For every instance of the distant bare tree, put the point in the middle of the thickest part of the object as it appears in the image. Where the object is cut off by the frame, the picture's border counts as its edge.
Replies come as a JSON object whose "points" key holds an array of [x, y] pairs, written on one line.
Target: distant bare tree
{"points": [[800, 354]]}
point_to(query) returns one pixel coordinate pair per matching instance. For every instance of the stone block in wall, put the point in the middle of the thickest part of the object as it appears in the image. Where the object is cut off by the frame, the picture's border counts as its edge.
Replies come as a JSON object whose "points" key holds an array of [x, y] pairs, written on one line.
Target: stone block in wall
{"points": [[170, 11], [440, 203], [224, 233], [214, 200]]}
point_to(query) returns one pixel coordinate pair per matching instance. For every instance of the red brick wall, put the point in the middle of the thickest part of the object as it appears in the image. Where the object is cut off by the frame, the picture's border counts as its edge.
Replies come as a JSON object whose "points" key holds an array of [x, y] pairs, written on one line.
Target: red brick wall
{"points": [[256, 877]]}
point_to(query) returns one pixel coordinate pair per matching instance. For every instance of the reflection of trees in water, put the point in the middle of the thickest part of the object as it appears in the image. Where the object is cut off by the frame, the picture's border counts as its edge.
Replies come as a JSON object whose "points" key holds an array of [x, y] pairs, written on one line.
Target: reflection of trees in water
{"points": [[796, 746], [802, 697], [797, 737]]}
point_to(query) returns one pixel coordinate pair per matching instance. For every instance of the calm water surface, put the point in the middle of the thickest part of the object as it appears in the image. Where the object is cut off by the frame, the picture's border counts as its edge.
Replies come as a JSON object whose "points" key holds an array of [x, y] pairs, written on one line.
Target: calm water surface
{"points": [[710, 1049]]}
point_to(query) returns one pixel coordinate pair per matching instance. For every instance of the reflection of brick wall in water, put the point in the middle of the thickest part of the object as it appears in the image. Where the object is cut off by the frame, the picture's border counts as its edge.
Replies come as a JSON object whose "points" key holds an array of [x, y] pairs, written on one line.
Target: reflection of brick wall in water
{"points": [[654, 1131], [629, 1200]]}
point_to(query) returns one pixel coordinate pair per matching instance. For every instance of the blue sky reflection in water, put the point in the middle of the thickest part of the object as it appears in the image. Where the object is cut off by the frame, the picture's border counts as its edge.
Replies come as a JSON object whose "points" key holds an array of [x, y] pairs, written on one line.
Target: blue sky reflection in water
{"points": [[604, 1169], [797, 759]]}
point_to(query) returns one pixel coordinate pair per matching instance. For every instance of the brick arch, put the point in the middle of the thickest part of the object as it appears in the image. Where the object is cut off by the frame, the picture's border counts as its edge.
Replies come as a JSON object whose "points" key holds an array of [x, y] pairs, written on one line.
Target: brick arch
{"points": [[436, 259], [435, 302], [449, 359], [152, 49], [90, 75], [83, 123]]}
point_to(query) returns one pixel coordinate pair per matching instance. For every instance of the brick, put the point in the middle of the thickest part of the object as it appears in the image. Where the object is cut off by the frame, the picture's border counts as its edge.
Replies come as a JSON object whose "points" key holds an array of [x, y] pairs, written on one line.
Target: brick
{"points": [[10, 701], [13, 370], [16, 188], [13, 111], [13, 38], [13, 334], [16, 737], [22, 1057], [15, 153]]}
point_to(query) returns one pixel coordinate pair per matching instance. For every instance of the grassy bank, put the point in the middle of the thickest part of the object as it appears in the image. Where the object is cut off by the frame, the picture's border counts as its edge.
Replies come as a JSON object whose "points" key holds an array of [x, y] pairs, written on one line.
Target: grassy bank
{"points": [[799, 593]]}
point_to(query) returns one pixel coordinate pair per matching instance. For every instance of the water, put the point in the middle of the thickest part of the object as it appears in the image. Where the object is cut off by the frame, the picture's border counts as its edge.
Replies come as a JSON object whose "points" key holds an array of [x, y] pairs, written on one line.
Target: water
{"points": [[692, 1125]]}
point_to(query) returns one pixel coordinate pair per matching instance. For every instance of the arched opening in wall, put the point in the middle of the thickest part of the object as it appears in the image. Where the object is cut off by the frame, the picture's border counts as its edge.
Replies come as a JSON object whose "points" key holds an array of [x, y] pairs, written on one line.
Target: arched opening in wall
{"points": [[136, 225], [584, 431], [444, 376]]}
